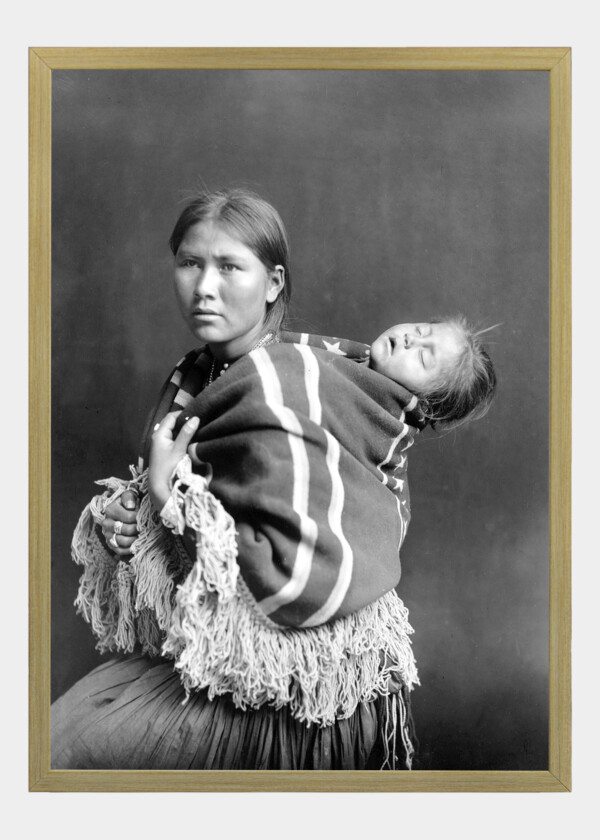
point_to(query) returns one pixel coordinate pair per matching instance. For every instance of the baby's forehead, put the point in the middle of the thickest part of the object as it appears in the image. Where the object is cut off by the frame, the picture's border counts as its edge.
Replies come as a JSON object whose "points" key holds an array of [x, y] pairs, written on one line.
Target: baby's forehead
{"points": [[458, 331]]}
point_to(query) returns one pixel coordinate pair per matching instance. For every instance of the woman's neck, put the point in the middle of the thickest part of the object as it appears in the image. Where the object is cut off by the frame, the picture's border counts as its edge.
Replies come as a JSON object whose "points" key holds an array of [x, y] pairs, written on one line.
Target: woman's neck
{"points": [[232, 350]]}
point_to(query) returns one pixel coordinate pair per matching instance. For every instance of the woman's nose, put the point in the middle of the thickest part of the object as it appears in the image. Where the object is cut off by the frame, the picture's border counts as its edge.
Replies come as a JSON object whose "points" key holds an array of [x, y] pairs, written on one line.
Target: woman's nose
{"points": [[206, 282]]}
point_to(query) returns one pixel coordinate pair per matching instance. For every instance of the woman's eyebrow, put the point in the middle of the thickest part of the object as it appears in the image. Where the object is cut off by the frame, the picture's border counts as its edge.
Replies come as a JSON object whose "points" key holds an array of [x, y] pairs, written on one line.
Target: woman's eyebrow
{"points": [[232, 257], [187, 254]]}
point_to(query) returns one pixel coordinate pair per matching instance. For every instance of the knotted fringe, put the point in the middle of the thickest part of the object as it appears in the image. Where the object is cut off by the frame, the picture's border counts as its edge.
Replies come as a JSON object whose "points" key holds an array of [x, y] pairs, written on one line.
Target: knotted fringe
{"points": [[322, 672], [397, 720], [127, 603], [223, 643], [215, 631], [159, 563], [192, 505]]}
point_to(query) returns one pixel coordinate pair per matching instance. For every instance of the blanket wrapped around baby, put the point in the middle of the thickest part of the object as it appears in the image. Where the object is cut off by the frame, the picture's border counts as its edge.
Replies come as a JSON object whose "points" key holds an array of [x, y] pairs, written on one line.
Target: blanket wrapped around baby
{"points": [[297, 494], [308, 450]]}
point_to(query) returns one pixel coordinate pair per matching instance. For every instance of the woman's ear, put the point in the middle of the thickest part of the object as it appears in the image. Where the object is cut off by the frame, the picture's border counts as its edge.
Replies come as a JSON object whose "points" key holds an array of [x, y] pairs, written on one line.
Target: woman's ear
{"points": [[277, 281]]}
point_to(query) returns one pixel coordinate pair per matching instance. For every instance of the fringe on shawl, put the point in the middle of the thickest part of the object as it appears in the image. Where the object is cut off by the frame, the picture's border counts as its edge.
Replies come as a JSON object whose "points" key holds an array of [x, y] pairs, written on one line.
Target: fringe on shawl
{"points": [[192, 505], [222, 642], [398, 725], [127, 603], [322, 673], [215, 631]]}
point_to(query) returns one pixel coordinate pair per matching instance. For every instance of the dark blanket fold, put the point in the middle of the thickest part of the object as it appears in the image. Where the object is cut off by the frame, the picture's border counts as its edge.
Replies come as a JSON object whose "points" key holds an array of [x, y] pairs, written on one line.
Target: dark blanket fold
{"points": [[308, 454]]}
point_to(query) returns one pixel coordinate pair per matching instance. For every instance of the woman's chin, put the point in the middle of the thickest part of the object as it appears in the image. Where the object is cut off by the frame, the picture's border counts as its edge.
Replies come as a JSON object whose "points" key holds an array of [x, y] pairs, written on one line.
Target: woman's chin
{"points": [[206, 334]]}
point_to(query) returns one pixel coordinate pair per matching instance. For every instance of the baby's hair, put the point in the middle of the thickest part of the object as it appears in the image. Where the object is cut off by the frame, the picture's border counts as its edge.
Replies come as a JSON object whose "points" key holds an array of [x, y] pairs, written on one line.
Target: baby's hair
{"points": [[465, 389]]}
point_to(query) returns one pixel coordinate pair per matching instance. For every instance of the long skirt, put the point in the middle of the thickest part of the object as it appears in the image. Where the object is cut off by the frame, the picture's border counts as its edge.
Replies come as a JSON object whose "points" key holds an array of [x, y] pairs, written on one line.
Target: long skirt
{"points": [[132, 713]]}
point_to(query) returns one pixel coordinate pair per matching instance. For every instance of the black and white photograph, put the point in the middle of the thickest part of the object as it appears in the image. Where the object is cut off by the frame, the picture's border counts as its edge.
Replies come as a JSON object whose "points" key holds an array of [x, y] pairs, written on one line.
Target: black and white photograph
{"points": [[300, 420]]}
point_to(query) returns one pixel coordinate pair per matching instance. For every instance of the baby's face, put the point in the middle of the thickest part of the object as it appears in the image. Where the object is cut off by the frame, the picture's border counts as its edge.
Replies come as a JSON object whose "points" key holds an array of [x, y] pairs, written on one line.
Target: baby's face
{"points": [[415, 355]]}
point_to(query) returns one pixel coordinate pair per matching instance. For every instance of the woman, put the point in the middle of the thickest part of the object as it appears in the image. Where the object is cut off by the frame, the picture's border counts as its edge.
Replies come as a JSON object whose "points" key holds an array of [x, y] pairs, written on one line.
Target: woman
{"points": [[232, 284]]}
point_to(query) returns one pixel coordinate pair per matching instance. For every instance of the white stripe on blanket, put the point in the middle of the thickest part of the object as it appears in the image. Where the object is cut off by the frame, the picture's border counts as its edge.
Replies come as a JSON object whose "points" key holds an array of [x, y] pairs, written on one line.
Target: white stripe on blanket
{"points": [[177, 377], [308, 527], [183, 399], [311, 382], [336, 505]]}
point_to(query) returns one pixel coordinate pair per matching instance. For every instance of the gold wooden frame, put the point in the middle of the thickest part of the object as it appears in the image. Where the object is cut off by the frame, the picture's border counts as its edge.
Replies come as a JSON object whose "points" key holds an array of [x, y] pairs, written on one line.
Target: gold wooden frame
{"points": [[556, 61]]}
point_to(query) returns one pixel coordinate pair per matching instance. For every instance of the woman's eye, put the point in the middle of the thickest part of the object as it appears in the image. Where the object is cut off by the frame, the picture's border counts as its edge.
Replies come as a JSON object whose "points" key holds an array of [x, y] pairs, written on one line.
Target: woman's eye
{"points": [[228, 267]]}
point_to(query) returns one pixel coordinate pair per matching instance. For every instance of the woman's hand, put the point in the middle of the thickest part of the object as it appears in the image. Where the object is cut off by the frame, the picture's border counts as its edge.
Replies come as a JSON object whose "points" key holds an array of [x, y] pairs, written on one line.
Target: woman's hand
{"points": [[122, 516], [165, 454]]}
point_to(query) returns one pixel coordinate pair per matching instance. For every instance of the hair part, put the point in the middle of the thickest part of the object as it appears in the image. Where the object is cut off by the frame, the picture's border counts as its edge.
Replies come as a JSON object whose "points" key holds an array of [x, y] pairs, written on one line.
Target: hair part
{"points": [[466, 387], [254, 222]]}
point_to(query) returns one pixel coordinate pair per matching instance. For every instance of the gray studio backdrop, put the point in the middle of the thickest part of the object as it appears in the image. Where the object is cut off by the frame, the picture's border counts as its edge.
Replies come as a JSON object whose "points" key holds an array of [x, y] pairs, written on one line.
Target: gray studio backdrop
{"points": [[406, 195]]}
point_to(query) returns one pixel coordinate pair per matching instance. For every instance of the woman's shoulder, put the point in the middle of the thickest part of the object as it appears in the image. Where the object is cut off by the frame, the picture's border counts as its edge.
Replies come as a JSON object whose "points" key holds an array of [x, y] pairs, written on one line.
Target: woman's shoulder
{"points": [[190, 372], [192, 357]]}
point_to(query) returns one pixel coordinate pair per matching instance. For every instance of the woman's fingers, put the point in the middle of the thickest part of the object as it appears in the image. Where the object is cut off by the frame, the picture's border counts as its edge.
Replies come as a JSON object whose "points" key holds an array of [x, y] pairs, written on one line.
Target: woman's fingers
{"points": [[110, 527], [119, 543], [121, 550], [119, 526], [166, 425], [117, 513], [129, 500], [163, 431], [186, 433], [165, 455], [119, 536]]}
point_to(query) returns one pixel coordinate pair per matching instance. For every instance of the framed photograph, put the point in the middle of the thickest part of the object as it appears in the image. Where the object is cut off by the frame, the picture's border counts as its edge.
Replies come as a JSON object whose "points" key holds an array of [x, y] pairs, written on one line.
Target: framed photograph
{"points": [[421, 189]]}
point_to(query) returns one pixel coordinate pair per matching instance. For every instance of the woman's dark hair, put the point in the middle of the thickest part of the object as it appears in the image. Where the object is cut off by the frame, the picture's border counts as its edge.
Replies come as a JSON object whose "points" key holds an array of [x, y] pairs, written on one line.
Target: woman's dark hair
{"points": [[254, 222], [466, 388]]}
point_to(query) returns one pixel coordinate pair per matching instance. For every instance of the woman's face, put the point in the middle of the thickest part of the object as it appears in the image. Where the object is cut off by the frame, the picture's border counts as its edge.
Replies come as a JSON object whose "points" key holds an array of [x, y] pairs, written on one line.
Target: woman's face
{"points": [[222, 289], [414, 355]]}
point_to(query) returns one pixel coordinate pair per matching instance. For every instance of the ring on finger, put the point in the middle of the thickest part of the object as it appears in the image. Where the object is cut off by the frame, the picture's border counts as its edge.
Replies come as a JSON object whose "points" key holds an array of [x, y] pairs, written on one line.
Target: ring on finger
{"points": [[113, 541], [118, 527]]}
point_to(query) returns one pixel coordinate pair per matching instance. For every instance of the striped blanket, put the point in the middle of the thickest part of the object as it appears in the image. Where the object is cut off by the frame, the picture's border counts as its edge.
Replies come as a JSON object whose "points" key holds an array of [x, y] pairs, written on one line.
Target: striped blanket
{"points": [[307, 449]]}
